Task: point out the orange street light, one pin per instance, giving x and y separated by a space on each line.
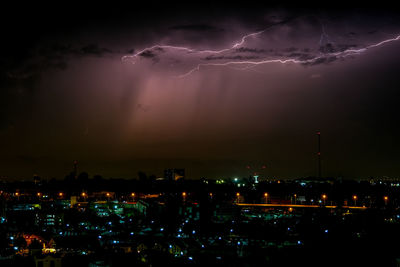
324 198
238 194
184 194
266 197
386 198
355 200
17 194
39 194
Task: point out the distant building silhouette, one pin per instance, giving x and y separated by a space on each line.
174 174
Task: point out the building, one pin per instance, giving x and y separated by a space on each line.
174 174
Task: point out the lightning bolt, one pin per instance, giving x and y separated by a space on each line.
190 50
247 64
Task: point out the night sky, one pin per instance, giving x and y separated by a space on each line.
207 87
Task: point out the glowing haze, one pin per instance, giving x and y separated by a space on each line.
209 94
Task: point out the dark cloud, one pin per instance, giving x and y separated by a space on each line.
238 57
94 49
196 28
250 50
320 60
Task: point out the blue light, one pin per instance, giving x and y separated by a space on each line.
99 237
190 258
238 243
219 238
231 230
115 241
15 248
178 235
132 233
326 231
288 228
193 232
170 246
60 233
161 229
202 246
299 242
11 237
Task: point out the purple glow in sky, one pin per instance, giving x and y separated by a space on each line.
124 92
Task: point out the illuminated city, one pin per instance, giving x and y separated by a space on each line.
201 134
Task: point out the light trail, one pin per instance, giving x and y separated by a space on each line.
297 206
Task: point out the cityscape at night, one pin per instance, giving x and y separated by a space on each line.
200 134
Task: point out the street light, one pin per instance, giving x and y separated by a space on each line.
61 194
386 198
295 198
355 200
266 197
324 198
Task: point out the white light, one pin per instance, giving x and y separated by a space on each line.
326 231
190 258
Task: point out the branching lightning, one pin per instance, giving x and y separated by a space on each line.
247 64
